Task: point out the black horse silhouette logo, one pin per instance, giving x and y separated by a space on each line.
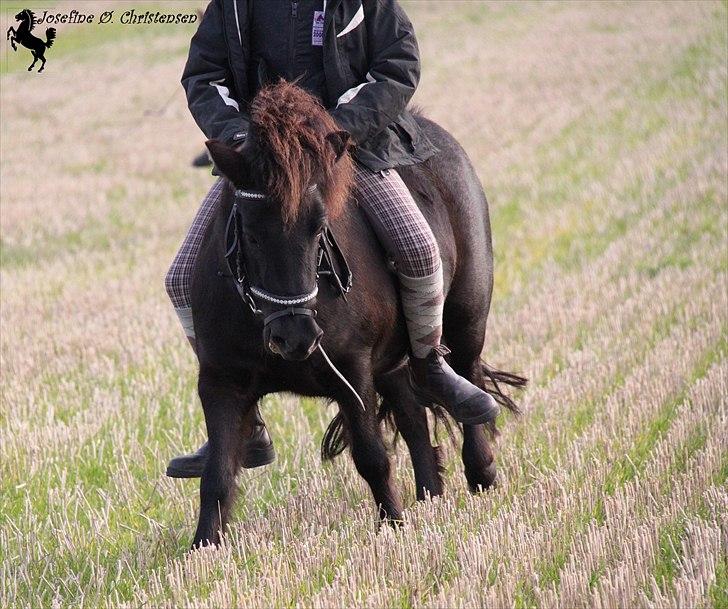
23 36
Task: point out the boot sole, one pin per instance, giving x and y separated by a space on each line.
186 471
259 457
253 458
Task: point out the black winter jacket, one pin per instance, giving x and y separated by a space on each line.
371 64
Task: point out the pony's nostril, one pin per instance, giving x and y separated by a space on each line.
277 344
315 344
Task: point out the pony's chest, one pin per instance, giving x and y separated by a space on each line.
301 378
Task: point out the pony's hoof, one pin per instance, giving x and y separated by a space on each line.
482 480
205 545
394 522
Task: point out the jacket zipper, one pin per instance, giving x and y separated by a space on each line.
292 40
237 21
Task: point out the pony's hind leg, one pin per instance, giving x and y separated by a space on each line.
464 334
228 413
478 456
42 65
478 451
35 59
411 420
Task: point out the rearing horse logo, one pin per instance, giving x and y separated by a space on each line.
23 36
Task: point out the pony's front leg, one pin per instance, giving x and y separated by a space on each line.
11 37
228 415
368 449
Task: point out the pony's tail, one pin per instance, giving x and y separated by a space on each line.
335 439
493 379
50 37
439 415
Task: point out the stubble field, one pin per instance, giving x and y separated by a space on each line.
599 132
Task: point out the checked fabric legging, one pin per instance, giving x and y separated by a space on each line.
395 217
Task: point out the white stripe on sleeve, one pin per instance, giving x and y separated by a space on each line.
347 96
225 93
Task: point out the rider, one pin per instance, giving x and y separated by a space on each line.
360 59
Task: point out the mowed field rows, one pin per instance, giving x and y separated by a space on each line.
599 132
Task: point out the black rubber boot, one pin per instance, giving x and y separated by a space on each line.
258 451
435 381
202 160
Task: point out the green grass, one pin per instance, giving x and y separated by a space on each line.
563 166
632 463
669 554
718 593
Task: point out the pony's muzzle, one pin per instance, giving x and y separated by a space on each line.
294 337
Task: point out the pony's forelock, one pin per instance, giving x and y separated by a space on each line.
290 127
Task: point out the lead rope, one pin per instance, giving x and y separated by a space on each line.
342 377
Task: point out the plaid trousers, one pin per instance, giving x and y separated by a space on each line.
384 197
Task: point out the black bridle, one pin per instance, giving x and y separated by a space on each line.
330 263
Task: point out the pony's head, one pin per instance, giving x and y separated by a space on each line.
297 158
26 15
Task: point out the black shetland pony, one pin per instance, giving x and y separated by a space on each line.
292 178
23 36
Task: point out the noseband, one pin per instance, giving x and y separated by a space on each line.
330 263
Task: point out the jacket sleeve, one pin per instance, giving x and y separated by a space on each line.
208 81
394 72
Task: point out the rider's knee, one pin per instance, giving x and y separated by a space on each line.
170 280
422 259
176 284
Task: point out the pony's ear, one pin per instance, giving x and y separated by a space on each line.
340 141
228 160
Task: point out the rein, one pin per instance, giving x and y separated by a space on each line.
330 263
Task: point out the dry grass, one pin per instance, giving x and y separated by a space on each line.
600 133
